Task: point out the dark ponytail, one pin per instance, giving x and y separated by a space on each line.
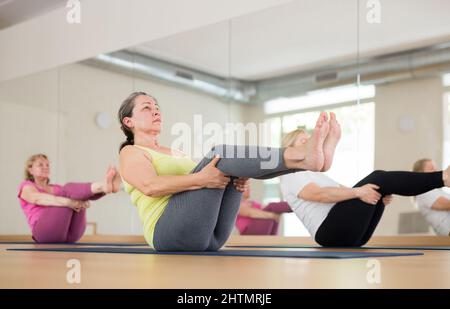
126 110
130 137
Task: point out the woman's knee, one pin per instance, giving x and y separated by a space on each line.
217 150
67 189
377 173
376 177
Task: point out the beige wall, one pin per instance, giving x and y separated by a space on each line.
28 121
32 120
422 101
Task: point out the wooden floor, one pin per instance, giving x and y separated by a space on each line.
99 270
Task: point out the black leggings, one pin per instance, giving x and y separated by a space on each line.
351 223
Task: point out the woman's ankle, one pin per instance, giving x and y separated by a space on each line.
292 156
97 187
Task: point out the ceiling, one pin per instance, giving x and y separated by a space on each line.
302 35
297 36
15 11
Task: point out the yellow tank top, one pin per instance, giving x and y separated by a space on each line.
150 208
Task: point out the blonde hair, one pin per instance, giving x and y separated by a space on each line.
419 165
29 164
289 139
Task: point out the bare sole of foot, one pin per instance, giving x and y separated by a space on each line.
310 156
331 142
108 186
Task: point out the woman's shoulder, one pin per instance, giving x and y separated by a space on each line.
25 183
132 150
130 156
22 185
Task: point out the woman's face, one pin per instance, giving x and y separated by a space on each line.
301 138
40 169
146 116
429 167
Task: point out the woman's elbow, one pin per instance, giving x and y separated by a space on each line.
150 192
33 200
153 191
314 197
324 198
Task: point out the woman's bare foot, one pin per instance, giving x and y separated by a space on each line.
446 176
331 142
116 181
108 185
309 156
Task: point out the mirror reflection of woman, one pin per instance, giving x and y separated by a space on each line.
435 204
254 219
55 213
339 216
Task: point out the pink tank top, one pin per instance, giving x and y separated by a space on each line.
242 222
33 212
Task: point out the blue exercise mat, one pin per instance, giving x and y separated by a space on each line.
349 248
254 253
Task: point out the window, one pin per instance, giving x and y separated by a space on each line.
446 126
318 98
446 121
446 80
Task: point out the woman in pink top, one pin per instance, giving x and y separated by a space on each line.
255 220
57 214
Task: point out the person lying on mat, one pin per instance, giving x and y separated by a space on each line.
435 204
253 219
57 214
338 216
186 206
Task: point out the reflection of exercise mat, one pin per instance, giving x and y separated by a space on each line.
247 253
334 248
106 244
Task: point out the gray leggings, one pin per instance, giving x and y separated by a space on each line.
202 219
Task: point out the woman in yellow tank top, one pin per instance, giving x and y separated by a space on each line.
185 206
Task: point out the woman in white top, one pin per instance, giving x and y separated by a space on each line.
435 204
337 216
